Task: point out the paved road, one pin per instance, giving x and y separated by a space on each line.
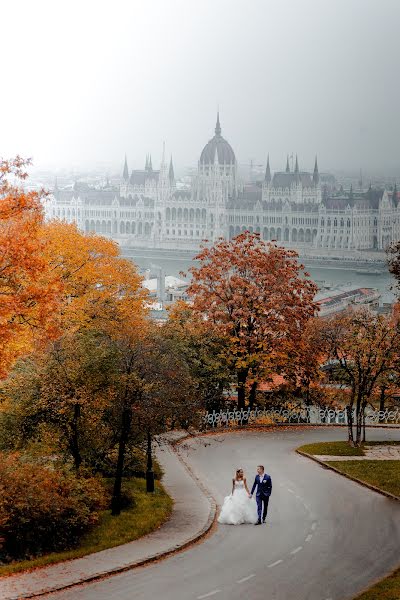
326 539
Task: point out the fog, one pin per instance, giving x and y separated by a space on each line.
84 82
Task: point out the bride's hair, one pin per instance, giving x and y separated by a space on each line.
237 473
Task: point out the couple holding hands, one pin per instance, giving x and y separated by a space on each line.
240 507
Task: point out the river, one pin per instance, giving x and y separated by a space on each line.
334 273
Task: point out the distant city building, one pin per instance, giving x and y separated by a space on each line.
291 206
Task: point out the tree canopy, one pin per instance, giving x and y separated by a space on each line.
29 290
258 296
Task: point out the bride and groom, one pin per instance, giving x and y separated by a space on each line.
240 506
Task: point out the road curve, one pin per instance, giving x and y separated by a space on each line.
327 538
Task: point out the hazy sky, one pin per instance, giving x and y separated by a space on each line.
83 82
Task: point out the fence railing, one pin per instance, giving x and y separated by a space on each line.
311 415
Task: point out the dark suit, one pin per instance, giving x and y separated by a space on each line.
264 490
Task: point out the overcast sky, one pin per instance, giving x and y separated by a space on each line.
83 82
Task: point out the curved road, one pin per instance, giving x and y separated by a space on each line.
326 538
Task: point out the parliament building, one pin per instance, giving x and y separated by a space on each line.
149 211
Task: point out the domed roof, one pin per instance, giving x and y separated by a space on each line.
221 146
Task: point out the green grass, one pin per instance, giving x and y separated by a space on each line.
332 449
150 511
386 443
341 448
384 474
387 589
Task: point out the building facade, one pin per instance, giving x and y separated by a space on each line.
148 210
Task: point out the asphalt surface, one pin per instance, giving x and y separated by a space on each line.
326 538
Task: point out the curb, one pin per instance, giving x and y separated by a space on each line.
272 426
326 465
212 517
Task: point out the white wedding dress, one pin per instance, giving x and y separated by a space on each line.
238 508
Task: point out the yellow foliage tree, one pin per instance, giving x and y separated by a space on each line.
29 289
101 289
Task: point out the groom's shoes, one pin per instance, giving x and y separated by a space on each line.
258 523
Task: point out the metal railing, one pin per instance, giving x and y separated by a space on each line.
310 415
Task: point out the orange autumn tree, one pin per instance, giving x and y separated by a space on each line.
366 348
301 366
101 290
258 295
29 289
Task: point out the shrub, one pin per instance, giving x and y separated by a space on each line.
44 508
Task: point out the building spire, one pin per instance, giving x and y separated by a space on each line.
147 163
287 164
394 195
171 171
268 172
316 173
150 163
296 168
125 174
163 155
218 126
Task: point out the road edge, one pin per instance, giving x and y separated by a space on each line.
326 465
197 538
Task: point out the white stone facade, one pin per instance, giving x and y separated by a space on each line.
149 211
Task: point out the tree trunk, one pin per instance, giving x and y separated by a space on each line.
123 439
241 393
358 419
149 470
382 403
252 395
74 441
349 411
363 421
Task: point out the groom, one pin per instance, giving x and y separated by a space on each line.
263 484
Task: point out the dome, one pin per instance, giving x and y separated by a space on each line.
221 146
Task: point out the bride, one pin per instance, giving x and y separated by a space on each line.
239 507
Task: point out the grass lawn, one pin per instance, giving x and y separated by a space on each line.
332 449
384 474
149 512
387 589
341 448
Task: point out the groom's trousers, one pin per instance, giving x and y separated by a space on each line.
262 507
